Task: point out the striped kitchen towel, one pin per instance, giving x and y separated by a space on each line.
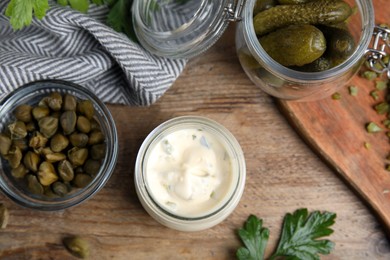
80 48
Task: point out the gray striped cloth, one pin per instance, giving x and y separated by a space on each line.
80 48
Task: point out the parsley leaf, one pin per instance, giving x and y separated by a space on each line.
79 5
299 238
255 238
120 19
21 11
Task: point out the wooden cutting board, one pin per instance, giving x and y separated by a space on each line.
336 130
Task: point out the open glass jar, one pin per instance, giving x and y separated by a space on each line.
185 28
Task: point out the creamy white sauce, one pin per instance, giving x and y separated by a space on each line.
189 172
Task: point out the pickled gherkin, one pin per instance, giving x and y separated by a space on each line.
301 44
316 12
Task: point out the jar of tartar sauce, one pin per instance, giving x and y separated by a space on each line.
190 173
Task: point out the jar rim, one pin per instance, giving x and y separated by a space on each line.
221 210
189 39
367 14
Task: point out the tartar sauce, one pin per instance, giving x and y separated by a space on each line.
189 172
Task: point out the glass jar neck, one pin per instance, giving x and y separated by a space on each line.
179 29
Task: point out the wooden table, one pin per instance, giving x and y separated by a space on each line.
283 174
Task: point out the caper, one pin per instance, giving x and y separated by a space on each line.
92 167
18 130
81 180
14 156
98 151
58 142
95 137
21 143
31 160
23 113
86 108
83 124
33 184
4 216
79 139
65 170
31 127
48 126
77 156
45 151
37 140
60 188
55 101
70 102
78 169
68 121
55 157
5 144
40 112
95 125
77 246
47 174
44 102
19 172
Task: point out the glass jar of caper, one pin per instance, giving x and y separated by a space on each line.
58 145
291 49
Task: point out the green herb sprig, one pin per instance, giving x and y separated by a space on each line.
299 238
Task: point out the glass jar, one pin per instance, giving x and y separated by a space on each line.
190 173
17 188
285 83
185 28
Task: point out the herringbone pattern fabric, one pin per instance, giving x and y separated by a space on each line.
80 48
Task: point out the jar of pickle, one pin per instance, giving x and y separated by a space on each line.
267 33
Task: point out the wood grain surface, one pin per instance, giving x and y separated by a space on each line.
283 174
336 129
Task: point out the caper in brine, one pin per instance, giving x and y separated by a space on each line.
48 126
95 137
77 156
81 180
17 129
33 184
98 151
59 188
37 140
55 157
31 160
40 112
14 156
19 172
21 143
92 167
44 102
77 246
55 101
79 139
95 125
86 108
65 170
23 113
70 102
68 121
31 127
83 124
47 174
58 142
5 144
